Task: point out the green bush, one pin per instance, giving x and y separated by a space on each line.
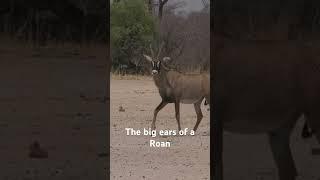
132 30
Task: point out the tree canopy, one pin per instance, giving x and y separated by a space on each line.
132 30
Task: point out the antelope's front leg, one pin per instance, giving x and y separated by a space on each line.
197 107
158 108
177 109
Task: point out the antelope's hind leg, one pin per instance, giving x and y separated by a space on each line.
197 108
177 109
155 113
280 146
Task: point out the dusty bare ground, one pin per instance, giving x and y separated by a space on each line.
132 158
56 99
248 157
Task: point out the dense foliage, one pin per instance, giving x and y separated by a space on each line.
132 30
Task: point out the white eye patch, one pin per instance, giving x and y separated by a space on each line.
155 65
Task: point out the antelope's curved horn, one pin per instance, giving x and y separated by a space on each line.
152 53
160 49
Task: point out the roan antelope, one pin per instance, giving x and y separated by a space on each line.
265 87
176 87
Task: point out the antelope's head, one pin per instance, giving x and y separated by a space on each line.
155 61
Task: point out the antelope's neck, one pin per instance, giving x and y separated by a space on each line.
161 80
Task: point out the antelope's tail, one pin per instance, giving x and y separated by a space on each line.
307 132
206 103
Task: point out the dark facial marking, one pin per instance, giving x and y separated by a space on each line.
156 65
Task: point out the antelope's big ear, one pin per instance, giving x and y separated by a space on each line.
147 57
166 59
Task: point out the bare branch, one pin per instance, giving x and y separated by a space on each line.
161 5
160 49
152 53
173 6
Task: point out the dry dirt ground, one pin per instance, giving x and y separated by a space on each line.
58 100
132 158
246 157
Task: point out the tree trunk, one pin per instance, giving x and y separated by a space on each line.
150 6
161 5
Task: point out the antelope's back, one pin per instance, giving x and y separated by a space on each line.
256 87
190 87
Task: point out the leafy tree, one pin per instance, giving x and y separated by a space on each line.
132 30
